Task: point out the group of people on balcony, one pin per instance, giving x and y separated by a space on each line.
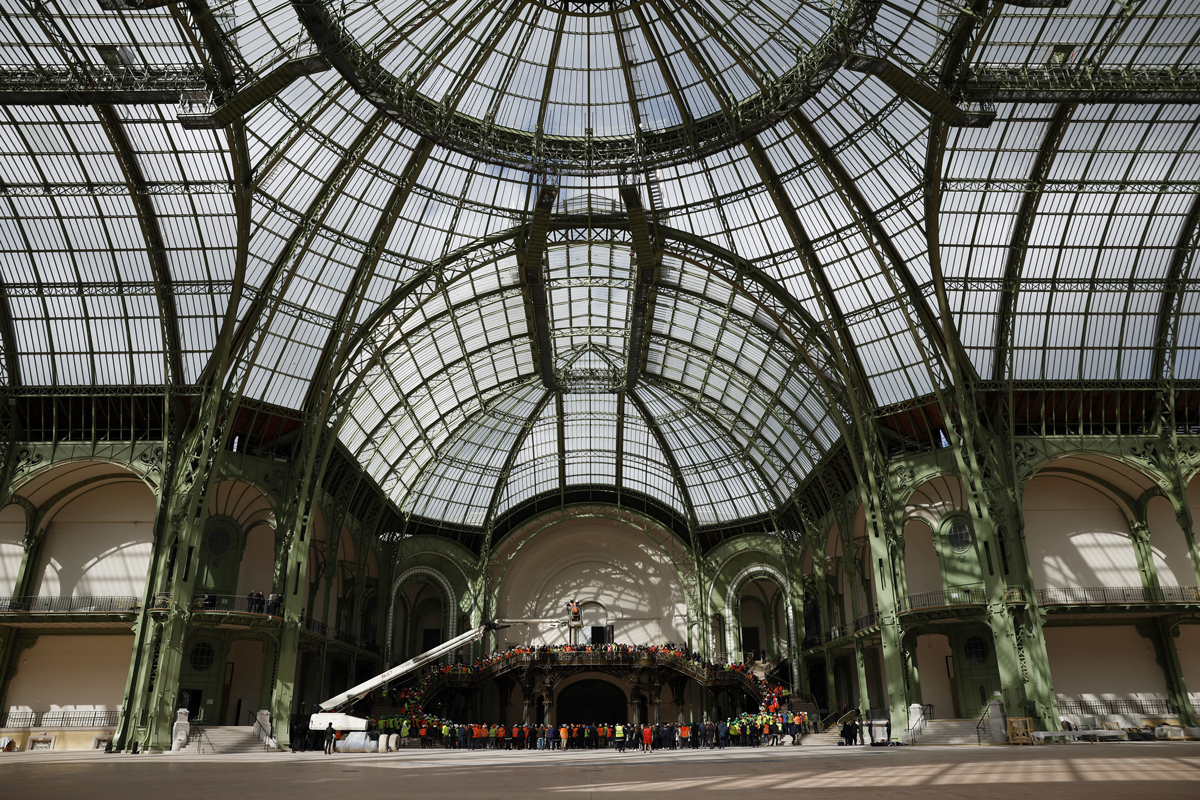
257 604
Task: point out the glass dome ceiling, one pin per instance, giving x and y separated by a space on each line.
779 207
585 84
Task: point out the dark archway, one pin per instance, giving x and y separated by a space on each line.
591 701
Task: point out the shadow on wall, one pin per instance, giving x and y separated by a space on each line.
1077 537
99 544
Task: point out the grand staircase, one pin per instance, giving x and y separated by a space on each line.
829 738
949 731
224 739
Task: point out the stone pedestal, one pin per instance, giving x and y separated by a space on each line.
179 731
997 720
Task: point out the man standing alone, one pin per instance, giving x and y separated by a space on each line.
329 739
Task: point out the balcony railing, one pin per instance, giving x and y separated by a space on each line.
59 719
70 605
1117 595
1152 708
961 596
236 604
314 626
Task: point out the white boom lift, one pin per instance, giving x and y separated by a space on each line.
329 713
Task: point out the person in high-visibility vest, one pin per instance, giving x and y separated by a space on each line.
620 738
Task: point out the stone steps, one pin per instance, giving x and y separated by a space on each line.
948 731
225 739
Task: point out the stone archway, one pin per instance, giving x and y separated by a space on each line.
592 700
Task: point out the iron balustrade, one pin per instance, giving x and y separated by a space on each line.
314 626
71 605
1117 595
867 621
235 604
59 719
701 672
1152 708
961 596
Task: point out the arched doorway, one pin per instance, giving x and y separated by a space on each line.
592 701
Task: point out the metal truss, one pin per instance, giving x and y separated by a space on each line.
642 311
156 250
397 97
929 96
91 84
1174 287
197 113
1070 187
1002 83
532 274
1019 244
113 189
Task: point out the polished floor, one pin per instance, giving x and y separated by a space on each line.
1153 770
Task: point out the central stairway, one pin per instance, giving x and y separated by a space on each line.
829 738
225 739
950 731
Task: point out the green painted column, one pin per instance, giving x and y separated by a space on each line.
1162 634
864 692
144 631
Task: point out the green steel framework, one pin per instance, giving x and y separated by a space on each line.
971 410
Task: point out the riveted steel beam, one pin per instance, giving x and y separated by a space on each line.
834 168
642 311
442 453
156 250
1085 83
802 243
12 363
726 424
533 282
331 354
275 283
676 144
1170 308
114 189
928 96
90 84
510 460
620 448
1019 243
669 455
561 429
256 92
731 267
133 5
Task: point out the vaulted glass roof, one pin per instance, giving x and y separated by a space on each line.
740 225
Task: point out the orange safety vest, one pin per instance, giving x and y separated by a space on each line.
685 732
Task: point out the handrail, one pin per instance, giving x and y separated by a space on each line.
959 596
59 719
1117 595
263 734
917 726
236 604
196 731
107 604
984 717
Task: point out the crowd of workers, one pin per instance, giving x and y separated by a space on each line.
407 701
411 725
746 730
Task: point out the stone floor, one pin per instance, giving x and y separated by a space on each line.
1142 770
